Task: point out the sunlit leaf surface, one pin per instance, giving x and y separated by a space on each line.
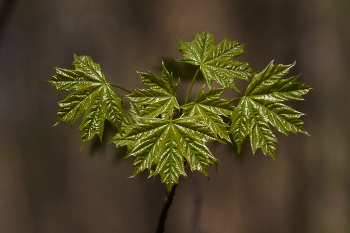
215 61
164 146
160 98
210 107
93 96
261 107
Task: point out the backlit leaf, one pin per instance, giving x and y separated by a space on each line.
261 107
164 146
210 107
160 98
215 61
93 95
129 121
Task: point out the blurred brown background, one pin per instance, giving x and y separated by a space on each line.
48 186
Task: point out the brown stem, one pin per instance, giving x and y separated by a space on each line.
120 87
166 205
235 99
190 88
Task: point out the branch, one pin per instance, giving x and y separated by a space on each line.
190 88
166 206
235 99
120 87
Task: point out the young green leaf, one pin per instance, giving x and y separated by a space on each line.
210 107
215 61
86 74
129 121
261 107
93 95
164 146
160 98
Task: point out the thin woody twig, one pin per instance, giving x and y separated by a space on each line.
166 205
120 87
235 99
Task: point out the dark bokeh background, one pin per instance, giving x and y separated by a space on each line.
48 186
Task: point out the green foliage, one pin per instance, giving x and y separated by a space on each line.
215 61
164 136
210 107
160 98
166 144
261 107
93 95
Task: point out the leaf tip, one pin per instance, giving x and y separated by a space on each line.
273 157
82 145
76 58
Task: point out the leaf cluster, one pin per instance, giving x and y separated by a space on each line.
162 134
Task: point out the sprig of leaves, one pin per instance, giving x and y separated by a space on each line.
164 136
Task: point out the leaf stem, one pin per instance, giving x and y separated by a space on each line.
120 87
166 205
190 88
235 99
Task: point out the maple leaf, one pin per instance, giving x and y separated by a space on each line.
164 146
210 107
261 107
129 121
93 95
160 98
215 61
